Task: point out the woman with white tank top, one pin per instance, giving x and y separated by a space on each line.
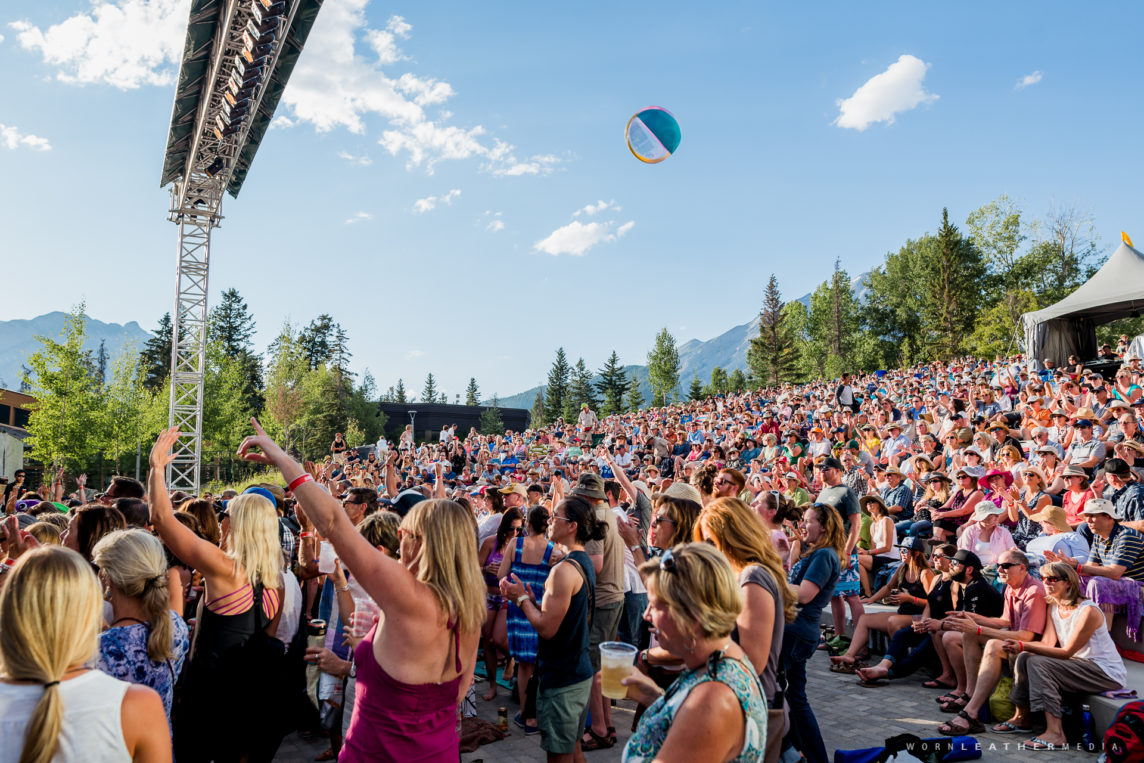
52 708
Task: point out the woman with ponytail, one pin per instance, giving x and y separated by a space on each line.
147 641
52 708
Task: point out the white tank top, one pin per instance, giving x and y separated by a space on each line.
92 729
1100 648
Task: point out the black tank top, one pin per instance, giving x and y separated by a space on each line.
563 659
917 589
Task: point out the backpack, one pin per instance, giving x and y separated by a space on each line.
1124 740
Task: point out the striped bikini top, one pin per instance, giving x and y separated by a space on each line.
242 599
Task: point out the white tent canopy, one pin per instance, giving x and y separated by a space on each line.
1069 326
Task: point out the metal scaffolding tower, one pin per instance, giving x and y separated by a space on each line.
236 61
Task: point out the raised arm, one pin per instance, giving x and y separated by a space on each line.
198 553
386 580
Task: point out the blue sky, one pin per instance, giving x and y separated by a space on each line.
435 182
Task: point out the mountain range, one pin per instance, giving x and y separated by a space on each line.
18 341
727 351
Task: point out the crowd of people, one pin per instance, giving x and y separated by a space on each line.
369 598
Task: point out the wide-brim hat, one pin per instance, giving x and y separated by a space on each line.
1101 506
984 509
1075 471
938 477
976 472
1007 475
681 491
866 500
1055 516
589 485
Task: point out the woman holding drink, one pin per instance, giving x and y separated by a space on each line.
715 710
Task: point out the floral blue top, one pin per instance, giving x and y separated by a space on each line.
123 655
649 736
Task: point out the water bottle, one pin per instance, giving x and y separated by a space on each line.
1088 738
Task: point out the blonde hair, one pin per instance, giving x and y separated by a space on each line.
447 560
1066 572
700 590
46 533
51 612
739 534
134 563
833 531
253 541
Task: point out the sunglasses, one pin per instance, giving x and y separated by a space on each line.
656 521
955 563
935 557
1051 579
667 562
1007 565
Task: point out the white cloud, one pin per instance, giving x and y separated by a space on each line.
599 206
336 86
576 238
281 122
364 161
1029 79
1 38
429 203
359 217
899 88
12 138
123 43
414 354
495 226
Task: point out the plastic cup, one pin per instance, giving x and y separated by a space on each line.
364 616
616 660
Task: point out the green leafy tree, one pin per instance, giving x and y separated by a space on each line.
429 391
663 369
695 391
472 392
772 356
891 310
65 424
737 381
491 421
612 385
718 384
284 395
557 391
125 404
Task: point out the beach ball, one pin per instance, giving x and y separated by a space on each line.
653 135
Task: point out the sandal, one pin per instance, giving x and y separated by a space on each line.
950 730
947 698
595 741
877 683
956 705
936 684
327 755
1005 727
612 734
1038 744
847 668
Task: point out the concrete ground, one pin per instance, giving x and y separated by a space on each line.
849 716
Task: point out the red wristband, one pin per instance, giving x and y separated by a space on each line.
307 534
299 481
978 630
1020 646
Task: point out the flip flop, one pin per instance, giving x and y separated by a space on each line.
935 684
1009 728
846 668
1039 745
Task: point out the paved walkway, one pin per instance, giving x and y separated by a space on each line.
849 716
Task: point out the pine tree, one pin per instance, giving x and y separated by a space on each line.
773 355
580 391
156 355
537 412
101 359
491 421
231 324
718 385
663 369
399 394
952 289
634 400
556 393
472 393
316 340
612 386
695 391
429 392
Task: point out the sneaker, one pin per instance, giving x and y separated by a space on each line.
528 730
